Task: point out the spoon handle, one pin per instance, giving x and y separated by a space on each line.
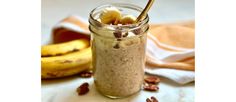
145 10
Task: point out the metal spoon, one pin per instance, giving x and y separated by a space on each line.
145 10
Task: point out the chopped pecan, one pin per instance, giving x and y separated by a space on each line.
117 34
137 31
119 39
126 34
116 46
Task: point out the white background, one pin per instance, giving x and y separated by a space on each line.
162 11
20 23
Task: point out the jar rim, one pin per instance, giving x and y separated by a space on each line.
123 38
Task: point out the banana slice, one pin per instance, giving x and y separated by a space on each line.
110 15
128 19
63 48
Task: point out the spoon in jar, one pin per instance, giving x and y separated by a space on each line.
144 12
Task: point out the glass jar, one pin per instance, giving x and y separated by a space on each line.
118 52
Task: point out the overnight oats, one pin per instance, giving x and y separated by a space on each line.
118 49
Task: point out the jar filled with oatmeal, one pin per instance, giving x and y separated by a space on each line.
118 49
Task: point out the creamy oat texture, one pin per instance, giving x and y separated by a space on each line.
118 65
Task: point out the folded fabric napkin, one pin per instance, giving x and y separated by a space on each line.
170 47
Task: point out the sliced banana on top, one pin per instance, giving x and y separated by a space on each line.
127 19
110 15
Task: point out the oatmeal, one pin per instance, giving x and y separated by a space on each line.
118 50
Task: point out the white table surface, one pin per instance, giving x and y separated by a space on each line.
63 90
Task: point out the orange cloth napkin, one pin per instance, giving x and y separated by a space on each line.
177 38
170 47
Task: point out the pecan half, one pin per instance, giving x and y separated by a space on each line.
148 100
153 99
83 89
150 87
152 80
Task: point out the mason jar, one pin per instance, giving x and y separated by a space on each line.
118 52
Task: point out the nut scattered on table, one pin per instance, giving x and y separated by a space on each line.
83 89
152 80
150 87
148 100
153 99
151 83
86 74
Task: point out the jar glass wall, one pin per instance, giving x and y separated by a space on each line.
118 52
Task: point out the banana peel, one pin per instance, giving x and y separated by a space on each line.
66 65
63 48
58 73
69 63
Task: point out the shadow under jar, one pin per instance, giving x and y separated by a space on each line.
118 52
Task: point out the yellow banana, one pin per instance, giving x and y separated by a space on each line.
65 65
50 74
127 19
63 48
110 15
